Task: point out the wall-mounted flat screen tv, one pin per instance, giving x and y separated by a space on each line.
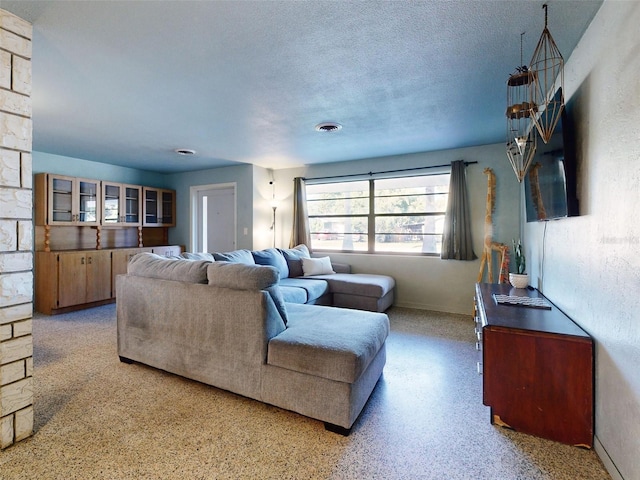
550 184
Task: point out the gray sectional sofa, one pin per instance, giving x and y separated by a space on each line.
333 285
227 324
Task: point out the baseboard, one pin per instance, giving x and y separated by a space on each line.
606 460
436 308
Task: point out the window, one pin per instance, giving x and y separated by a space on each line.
390 215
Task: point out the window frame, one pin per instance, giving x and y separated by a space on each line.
371 217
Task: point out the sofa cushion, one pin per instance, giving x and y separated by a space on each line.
237 256
240 276
198 256
316 266
293 294
150 265
329 342
273 257
367 285
293 257
311 288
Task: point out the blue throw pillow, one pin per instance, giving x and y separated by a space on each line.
273 257
278 300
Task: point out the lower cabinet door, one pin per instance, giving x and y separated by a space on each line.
98 276
83 277
72 279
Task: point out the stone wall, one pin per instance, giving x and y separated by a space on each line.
16 231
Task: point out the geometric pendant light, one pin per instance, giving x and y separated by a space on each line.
547 66
521 132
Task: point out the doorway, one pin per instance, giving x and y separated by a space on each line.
213 210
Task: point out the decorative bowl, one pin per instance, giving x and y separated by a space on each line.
519 280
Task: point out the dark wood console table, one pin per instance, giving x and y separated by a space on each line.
537 367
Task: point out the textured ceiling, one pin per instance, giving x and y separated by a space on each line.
127 82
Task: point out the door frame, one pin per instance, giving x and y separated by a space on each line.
194 190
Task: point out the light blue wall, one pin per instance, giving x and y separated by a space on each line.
76 167
241 175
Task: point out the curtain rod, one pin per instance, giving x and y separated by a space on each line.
386 171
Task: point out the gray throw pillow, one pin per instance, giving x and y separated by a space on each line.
155 266
198 256
293 257
240 276
237 256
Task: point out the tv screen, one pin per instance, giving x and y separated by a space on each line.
550 184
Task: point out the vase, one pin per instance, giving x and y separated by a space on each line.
519 280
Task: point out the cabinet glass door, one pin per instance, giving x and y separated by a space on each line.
132 205
61 200
88 202
167 208
151 206
111 204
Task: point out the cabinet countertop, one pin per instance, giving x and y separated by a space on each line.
524 318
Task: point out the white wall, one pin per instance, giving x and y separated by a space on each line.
425 282
589 265
262 210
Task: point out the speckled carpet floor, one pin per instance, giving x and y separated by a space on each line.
97 418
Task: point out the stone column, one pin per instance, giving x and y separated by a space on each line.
16 231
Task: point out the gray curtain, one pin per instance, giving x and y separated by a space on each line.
300 232
456 238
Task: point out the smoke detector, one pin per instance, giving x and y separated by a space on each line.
328 127
185 151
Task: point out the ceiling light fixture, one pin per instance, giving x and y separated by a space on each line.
328 127
547 66
185 151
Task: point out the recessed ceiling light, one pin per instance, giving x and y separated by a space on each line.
185 151
328 127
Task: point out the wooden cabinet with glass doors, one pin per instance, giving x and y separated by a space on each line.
67 200
121 204
159 207
86 231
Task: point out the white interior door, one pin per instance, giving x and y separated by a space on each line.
216 219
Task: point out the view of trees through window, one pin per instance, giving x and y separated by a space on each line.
393 215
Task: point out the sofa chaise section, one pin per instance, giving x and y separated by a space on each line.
342 350
361 291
